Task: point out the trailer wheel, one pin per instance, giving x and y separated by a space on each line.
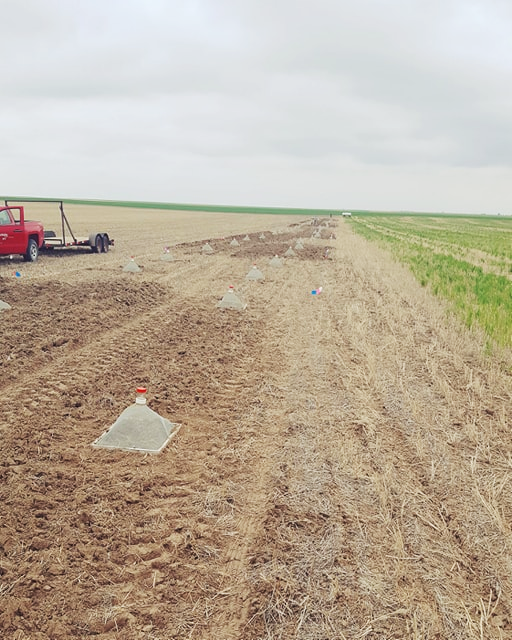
105 244
96 244
32 251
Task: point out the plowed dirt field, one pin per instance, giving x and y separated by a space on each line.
343 468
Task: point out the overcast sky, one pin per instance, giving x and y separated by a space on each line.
363 104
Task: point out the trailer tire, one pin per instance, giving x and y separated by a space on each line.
32 251
96 242
105 243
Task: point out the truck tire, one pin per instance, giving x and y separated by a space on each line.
32 251
105 243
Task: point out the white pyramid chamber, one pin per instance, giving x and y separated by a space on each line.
167 255
138 428
232 300
255 274
276 262
131 266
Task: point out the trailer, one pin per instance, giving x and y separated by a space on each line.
97 241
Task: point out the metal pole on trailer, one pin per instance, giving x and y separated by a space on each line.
62 224
65 220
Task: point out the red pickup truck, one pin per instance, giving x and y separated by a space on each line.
20 236
26 238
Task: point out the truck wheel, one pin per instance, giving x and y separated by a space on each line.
32 251
105 243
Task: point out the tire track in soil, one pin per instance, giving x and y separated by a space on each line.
141 335
303 470
229 622
134 295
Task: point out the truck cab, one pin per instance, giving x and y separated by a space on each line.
19 236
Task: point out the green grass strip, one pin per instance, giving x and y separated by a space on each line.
478 298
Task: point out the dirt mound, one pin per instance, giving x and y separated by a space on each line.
254 242
324 233
256 251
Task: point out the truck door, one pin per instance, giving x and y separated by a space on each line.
12 236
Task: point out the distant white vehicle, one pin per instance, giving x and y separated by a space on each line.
346 214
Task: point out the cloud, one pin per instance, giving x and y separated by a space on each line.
162 96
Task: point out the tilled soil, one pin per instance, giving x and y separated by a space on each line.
342 469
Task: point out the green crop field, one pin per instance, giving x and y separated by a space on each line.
465 260
171 206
